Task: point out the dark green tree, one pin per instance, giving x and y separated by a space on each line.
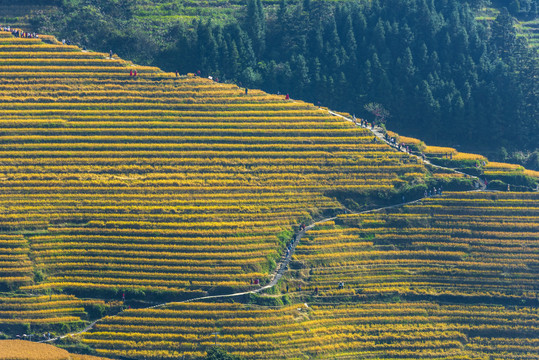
301 74
503 33
514 7
431 63
255 25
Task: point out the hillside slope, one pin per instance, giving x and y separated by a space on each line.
184 184
158 187
433 65
335 330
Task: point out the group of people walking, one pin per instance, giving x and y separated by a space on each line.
19 33
364 123
433 191
392 141
290 244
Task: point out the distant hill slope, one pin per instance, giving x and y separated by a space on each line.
531 32
20 14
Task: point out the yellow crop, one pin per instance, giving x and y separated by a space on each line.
409 140
26 350
501 166
332 329
466 156
531 173
176 186
438 150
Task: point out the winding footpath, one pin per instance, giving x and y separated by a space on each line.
285 260
277 275
377 131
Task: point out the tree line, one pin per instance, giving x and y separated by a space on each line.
444 76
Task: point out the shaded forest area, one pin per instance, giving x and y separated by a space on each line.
444 76
524 9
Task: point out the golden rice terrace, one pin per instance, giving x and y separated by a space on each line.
119 189
153 183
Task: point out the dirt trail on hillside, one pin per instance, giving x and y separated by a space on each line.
277 275
285 260
378 132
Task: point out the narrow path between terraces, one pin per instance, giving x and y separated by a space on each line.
377 131
277 275
283 264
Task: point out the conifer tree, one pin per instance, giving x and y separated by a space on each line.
255 23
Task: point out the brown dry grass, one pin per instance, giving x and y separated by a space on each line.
27 350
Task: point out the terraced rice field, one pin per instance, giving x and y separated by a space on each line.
530 30
23 314
157 184
406 330
449 277
474 246
15 265
495 169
